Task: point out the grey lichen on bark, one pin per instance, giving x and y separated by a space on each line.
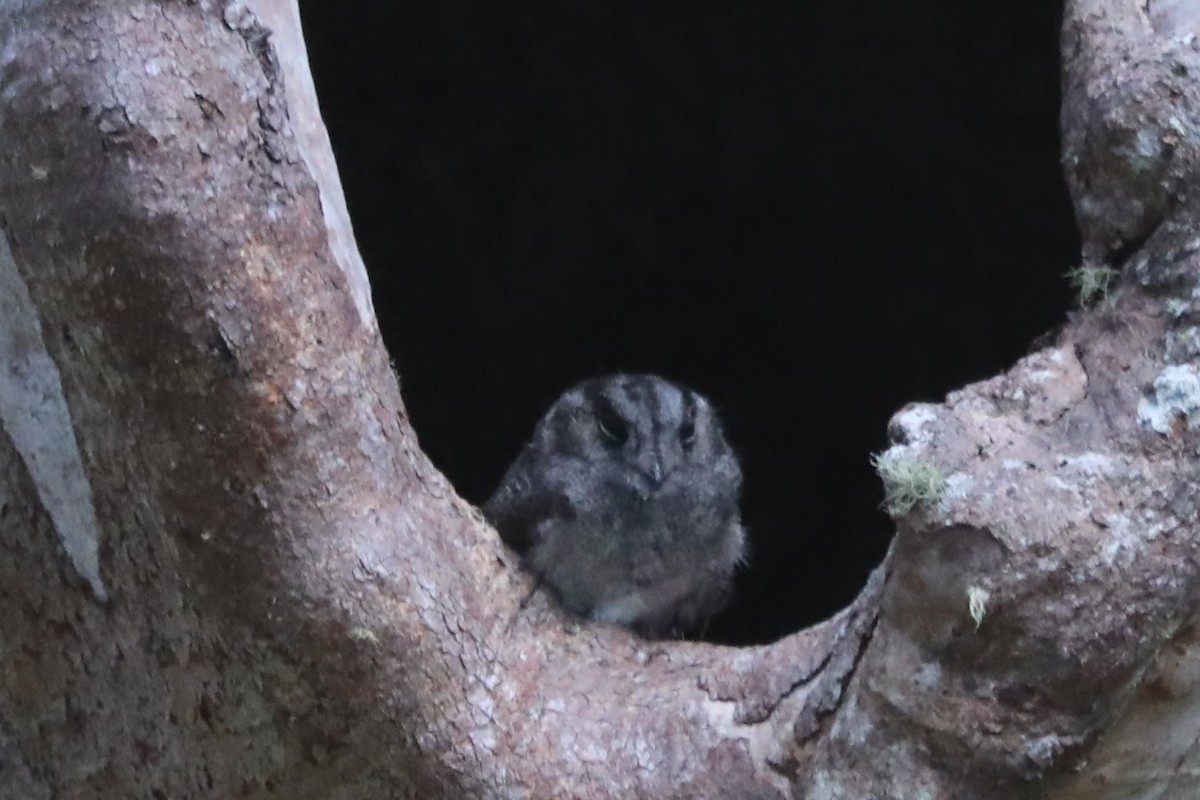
301 606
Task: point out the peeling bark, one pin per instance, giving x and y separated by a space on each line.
299 605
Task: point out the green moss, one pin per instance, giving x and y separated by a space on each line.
1094 282
907 482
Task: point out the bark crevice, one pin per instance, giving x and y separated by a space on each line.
302 606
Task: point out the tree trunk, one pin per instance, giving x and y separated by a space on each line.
230 572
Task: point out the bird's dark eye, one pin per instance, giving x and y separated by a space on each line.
687 434
613 430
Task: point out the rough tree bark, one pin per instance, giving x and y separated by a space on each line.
228 570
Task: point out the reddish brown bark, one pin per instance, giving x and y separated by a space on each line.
290 600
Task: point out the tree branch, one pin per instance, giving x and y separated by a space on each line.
299 604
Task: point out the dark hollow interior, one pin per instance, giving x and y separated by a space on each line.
813 212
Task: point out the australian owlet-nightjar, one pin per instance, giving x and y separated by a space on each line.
626 503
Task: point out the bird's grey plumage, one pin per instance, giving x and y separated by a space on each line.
626 502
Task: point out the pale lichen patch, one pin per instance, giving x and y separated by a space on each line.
958 485
908 424
1175 400
1183 344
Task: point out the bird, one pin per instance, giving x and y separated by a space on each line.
626 503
